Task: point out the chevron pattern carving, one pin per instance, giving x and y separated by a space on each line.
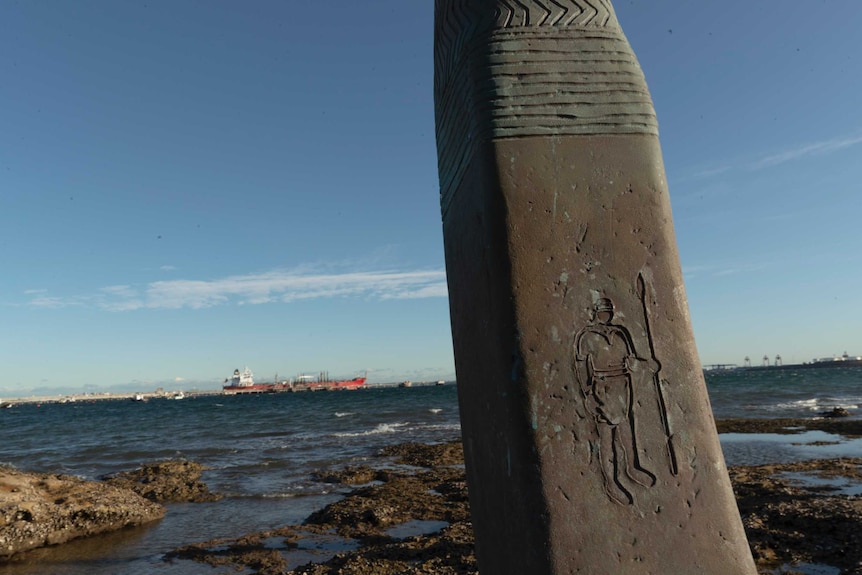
521 68
512 13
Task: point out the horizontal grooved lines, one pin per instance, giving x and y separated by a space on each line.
546 86
508 69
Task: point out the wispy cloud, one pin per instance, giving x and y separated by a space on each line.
709 173
722 270
811 149
53 302
253 289
817 148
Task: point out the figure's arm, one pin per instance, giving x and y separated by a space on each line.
582 367
634 362
630 344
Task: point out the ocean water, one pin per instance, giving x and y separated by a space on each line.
770 393
785 393
262 451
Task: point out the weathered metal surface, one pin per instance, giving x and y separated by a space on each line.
588 434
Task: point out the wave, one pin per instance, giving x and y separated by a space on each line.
344 413
804 404
816 404
440 427
380 428
435 410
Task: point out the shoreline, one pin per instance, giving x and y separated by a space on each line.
160 393
405 510
848 427
797 519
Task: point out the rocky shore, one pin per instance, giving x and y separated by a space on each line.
844 427
39 509
406 511
416 519
166 482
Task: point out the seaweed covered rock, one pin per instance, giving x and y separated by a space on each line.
368 511
794 513
166 482
352 475
417 522
38 509
426 455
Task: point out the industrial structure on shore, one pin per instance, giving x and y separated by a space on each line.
843 360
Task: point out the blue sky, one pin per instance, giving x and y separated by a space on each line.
190 187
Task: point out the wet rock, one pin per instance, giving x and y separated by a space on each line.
423 455
846 427
256 551
39 509
836 412
786 523
166 482
366 512
352 475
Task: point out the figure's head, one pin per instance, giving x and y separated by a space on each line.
604 310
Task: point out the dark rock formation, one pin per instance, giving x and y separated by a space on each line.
787 523
845 427
351 475
166 482
38 509
836 412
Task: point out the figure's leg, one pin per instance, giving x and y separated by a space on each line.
609 458
633 467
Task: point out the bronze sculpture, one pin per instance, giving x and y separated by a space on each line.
588 436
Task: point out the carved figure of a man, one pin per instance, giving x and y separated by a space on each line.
605 362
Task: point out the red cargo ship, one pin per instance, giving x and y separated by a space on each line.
243 382
323 383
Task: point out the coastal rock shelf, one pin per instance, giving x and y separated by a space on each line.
166 482
788 523
41 509
407 512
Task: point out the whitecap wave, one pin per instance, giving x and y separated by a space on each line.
816 404
435 410
344 413
380 428
440 427
803 404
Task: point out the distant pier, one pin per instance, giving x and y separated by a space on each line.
843 360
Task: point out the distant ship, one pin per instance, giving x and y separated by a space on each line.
843 360
243 382
324 383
